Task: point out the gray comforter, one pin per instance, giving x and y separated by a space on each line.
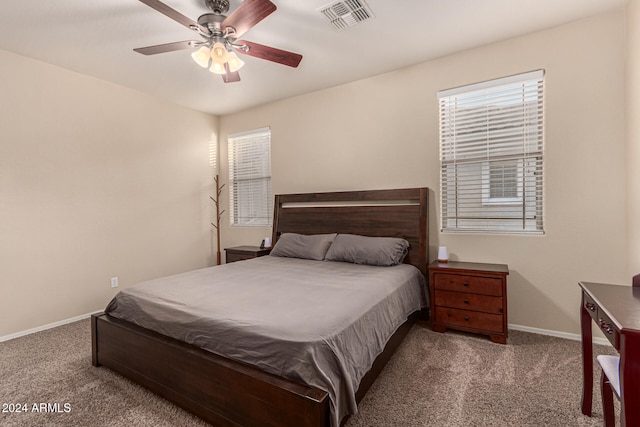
316 322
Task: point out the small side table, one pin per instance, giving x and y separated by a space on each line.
239 253
470 297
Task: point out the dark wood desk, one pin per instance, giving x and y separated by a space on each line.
616 310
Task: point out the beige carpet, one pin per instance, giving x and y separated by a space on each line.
434 379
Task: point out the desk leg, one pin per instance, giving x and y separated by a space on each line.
587 360
629 377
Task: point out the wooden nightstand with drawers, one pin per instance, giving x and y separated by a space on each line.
470 297
240 253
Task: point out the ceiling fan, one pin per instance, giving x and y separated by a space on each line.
220 36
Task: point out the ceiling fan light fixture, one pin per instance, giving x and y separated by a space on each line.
202 56
217 67
219 52
219 56
234 62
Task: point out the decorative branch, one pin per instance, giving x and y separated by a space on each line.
219 213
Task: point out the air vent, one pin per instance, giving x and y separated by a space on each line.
347 13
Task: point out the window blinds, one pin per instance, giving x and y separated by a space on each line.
491 155
250 195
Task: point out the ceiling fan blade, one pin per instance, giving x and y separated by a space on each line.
248 14
271 54
168 47
230 76
174 14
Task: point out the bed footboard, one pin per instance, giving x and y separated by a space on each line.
218 390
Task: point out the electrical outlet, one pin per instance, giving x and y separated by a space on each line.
114 282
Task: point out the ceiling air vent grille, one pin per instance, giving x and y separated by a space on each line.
347 13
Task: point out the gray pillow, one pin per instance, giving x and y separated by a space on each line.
293 245
384 251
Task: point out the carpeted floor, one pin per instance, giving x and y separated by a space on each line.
434 379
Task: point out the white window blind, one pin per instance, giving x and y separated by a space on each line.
250 195
491 155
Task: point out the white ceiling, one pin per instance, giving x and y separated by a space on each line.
97 38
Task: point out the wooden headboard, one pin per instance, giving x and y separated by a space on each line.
378 213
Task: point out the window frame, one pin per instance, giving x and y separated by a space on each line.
249 156
484 125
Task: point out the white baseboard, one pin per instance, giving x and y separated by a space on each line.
45 327
575 337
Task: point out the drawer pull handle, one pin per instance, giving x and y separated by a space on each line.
466 283
466 317
466 301
606 327
591 306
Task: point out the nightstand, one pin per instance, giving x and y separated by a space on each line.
470 297
240 253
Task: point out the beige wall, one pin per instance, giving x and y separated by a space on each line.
95 181
633 134
382 132
98 181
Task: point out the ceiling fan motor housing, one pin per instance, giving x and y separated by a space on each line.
212 21
217 6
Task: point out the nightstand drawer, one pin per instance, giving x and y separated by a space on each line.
469 284
233 257
470 319
240 253
466 301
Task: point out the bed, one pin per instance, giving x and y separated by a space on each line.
235 391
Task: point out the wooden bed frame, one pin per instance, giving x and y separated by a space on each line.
225 392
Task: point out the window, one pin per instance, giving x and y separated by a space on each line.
250 195
491 152
502 182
